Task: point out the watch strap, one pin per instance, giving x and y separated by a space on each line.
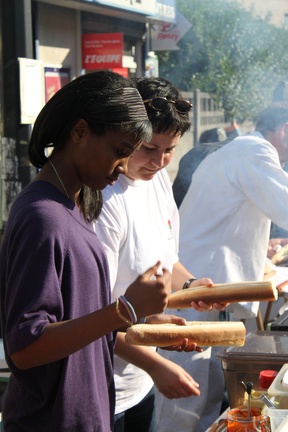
188 283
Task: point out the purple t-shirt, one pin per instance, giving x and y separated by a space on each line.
53 268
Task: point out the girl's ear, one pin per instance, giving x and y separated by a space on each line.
79 130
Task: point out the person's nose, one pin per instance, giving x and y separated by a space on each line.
159 159
122 167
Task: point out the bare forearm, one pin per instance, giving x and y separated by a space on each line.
171 380
61 339
140 356
180 275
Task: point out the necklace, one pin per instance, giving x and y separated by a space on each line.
54 169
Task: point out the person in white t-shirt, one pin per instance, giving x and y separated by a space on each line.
139 223
225 221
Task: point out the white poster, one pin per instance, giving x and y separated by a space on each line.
32 89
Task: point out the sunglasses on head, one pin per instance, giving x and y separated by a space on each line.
161 104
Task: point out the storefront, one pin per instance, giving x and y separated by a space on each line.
61 25
52 32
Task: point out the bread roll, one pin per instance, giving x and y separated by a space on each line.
218 333
224 293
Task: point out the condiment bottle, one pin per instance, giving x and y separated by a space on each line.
266 377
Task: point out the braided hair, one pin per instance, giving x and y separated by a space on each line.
107 101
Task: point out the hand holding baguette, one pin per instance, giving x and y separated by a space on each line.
180 321
202 306
218 333
224 293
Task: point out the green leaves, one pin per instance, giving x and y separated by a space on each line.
230 53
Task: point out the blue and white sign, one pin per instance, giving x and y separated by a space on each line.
146 7
166 11
162 10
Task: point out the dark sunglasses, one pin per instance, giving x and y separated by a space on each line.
161 104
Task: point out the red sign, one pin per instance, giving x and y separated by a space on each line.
55 79
102 50
121 71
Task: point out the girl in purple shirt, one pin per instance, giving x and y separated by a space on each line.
57 320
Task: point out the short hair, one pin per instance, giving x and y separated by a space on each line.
106 100
213 135
169 120
271 117
280 92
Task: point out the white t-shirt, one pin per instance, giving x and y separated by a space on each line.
138 226
226 214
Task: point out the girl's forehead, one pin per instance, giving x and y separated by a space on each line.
164 140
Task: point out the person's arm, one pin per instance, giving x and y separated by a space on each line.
61 339
264 181
58 340
180 275
170 379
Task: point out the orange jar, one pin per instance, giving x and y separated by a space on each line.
238 421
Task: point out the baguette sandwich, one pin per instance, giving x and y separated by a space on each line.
224 293
218 333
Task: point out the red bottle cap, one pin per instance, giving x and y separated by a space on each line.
266 377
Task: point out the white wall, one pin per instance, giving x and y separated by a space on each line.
275 8
59 37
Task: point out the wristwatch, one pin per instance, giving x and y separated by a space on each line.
188 283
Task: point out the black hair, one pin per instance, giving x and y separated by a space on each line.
168 120
271 117
107 101
102 99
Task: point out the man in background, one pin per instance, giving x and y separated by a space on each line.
225 221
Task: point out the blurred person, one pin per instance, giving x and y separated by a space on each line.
188 165
58 324
210 140
280 94
139 222
225 221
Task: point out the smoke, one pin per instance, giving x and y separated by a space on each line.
230 53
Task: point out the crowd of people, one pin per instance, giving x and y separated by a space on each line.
95 243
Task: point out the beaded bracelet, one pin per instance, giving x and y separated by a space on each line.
129 308
130 323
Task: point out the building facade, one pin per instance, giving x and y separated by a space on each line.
276 10
42 47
